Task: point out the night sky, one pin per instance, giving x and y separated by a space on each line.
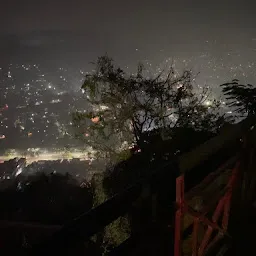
222 32
215 38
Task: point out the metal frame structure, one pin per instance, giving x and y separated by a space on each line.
224 197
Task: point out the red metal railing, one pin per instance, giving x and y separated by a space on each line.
213 223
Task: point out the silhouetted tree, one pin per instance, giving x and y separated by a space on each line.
162 116
126 172
124 107
52 199
55 197
240 97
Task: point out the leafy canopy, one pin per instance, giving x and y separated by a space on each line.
124 107
241 97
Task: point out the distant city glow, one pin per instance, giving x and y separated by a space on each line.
40 109
42 102
38 154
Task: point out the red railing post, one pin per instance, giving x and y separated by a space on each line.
205 241
195 236
209 230
228 196
179 215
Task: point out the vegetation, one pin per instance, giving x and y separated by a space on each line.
125 108
49 199
240 97
136 121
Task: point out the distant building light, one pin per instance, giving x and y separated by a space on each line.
19 171
95 119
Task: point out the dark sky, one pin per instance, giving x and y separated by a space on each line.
208 34
133 20
125 17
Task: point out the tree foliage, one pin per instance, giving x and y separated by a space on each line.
49 199
124 107
240 97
